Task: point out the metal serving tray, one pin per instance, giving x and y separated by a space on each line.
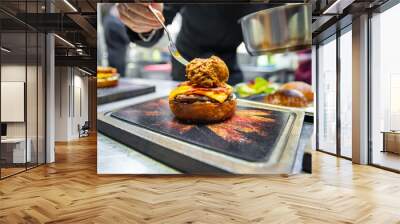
259 139
260 98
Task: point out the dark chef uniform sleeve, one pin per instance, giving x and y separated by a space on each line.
169 12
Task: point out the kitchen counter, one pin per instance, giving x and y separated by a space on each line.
114 157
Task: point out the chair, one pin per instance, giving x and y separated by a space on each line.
84 130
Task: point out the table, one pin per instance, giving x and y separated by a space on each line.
16 153
391 141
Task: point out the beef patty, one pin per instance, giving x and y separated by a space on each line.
192 98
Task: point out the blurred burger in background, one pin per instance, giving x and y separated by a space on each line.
107 77
292 94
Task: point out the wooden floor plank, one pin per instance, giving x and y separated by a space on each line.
70 191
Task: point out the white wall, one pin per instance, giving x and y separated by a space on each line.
61 104
71 93
81 101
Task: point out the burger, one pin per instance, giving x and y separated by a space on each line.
302 87
288 98
205 97
107 77
292 94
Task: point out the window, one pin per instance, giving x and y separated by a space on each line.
327 96
385 89
346 93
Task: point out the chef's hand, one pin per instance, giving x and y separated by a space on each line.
138 17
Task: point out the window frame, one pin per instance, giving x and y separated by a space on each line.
332 37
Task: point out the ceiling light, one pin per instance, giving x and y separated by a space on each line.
65 41
70 5
337 7
5 50
84 71
79 51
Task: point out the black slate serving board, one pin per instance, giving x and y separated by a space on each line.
250 135
125 89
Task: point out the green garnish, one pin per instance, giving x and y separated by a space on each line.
258 86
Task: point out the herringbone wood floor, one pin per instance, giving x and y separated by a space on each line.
70 191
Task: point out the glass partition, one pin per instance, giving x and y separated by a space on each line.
32 98
15 150
32 88
41 88
22 77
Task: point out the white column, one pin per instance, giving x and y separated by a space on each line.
360 90
314 86
50 92
50 99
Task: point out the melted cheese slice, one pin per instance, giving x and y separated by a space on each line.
219 94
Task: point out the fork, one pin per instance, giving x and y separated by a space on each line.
171 46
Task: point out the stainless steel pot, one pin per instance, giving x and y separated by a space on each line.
279 29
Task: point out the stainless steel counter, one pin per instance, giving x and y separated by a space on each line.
116 158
